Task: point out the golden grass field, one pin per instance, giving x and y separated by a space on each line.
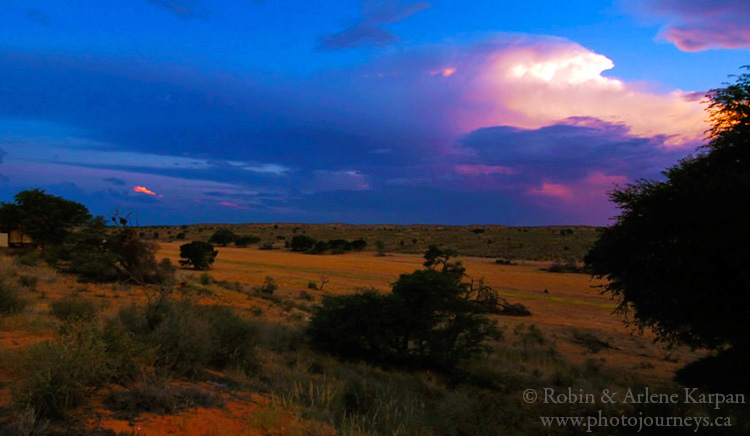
571 306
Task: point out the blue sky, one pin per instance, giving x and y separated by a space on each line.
522 113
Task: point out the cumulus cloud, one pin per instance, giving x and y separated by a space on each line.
369 31
531 82
695 25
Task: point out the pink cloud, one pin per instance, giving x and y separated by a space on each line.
554 190
527 82
534 84
590 191
143 190
695 25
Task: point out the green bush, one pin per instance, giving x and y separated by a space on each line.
10 300
58 373
73 309
186 338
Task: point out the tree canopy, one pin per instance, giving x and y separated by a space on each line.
46 218
677 256
431 318
198 254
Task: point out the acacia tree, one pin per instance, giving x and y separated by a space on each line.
198 254
46 218
677 256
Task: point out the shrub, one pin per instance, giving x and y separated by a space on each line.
198 254
223 237
158 396
266 246
320 247
187 338
358 244
29 258
269 286
74 309
205 279
10 300
312 285
244 241
58 373
99 255
302 243
28 281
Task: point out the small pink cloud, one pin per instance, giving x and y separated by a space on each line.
144 190
228 204
554 190
445 72
590 191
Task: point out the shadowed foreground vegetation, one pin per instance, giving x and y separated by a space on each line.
101 356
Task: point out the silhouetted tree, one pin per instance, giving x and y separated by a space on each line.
678 255
198 254
244 241
302 243
46 218
223 237
431 318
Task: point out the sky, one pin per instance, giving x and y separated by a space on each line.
372 111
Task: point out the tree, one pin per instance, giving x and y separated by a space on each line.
431 318
101 254
677 256
380 246
244 241
46 218
302 243
223 237
199 254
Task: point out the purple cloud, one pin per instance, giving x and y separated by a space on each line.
695 25
368 31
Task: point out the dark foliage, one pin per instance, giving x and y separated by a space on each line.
46 218
244 241
677 256
10 298
429 319
101 254
198 254
223 237
302 243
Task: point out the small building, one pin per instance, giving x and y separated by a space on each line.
13 237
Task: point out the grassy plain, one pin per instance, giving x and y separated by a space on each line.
571 339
